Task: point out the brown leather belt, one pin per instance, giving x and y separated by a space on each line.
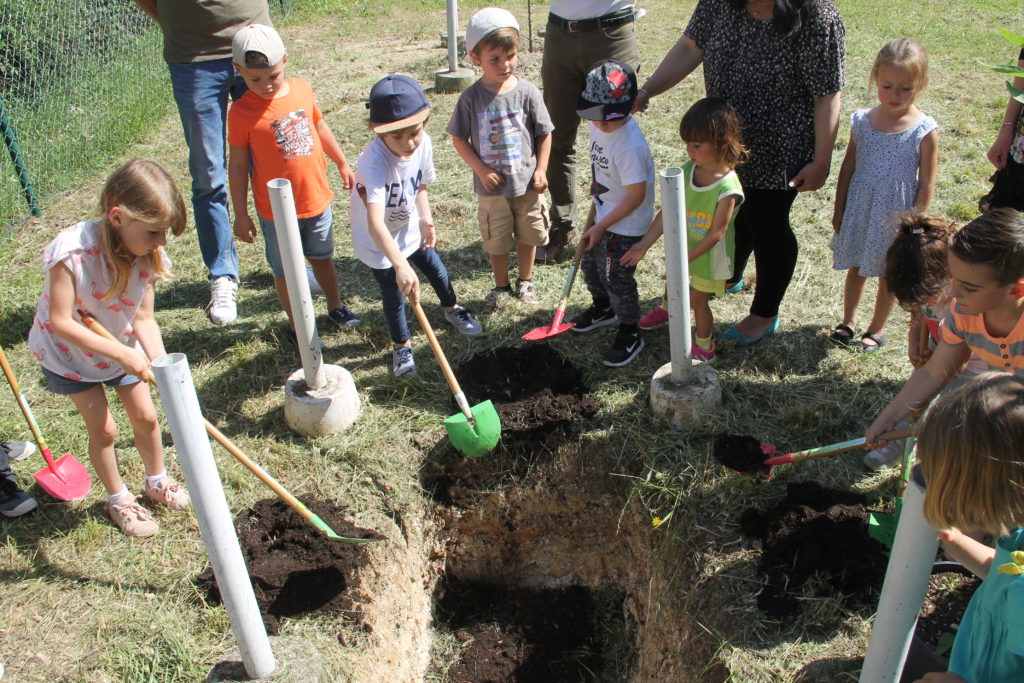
619 18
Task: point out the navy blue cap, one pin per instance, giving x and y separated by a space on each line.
396 101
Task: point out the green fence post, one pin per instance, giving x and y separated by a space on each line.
11 140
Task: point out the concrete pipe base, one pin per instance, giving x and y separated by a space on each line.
448 81
685 405
325 411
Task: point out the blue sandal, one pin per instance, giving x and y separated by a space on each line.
734 335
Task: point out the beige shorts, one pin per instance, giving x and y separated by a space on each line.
506 220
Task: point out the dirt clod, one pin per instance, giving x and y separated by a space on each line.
742 454
294 569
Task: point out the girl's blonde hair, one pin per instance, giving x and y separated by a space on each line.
971 449
144 192
713 120
905 53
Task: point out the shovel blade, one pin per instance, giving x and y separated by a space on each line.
65 478
479 440
547 331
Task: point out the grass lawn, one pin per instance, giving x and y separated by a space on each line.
81 602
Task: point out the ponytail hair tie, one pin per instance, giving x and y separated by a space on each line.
917 231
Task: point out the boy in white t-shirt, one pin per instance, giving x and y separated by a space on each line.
392 228
622 208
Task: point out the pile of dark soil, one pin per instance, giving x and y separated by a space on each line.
539 396
814 530
535 390
944 606
742 454
513 633
293 567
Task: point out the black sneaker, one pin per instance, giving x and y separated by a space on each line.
593 318
342 316
628 344
13 501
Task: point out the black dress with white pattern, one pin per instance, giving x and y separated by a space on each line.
771 81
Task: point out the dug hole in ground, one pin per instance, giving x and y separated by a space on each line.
529 565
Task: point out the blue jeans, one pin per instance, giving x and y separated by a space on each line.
427 262
315 234
201 91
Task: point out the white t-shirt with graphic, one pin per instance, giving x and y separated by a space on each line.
78 248
618 159
387 179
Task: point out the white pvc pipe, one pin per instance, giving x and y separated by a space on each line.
677 271
452 10
282 202
903 591
181 406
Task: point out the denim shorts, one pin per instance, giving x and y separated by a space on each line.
62 385
316 234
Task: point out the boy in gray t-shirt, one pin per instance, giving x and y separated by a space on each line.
501 128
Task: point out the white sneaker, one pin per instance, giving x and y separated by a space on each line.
888 455
222 308
19 450
314 286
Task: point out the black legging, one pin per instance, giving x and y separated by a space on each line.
762 227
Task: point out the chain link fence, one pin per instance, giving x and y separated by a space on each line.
80 81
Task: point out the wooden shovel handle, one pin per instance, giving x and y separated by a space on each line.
432 338
13 381
851 445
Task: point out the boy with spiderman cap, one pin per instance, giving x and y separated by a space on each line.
392 227
622 209
278 125
501 128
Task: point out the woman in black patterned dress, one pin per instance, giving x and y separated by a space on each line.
779 63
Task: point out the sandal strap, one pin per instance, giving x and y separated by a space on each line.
878 339
845 328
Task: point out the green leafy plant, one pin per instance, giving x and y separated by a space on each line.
1010 69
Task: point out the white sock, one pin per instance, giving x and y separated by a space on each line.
152 481
120 496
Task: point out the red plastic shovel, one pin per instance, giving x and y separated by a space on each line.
557 326
65 478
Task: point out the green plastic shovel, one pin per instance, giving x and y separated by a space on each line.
881 525
475 431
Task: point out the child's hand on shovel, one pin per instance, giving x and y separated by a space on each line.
407 282
134 362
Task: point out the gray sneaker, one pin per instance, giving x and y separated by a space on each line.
19 450
402 362
526 292
888 455
463 321
495 299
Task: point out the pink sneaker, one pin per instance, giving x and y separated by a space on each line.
708 356
655 318
170 493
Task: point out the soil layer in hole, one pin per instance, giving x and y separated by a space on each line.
742 454
944 605
513 633
539 397
293 567
814 530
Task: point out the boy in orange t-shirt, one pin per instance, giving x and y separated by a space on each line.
278 125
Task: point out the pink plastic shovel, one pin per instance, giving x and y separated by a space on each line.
557 326
64 479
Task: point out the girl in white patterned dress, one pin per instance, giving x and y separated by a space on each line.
107 268
889 167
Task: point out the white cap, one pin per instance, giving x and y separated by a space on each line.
257 46
487 20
